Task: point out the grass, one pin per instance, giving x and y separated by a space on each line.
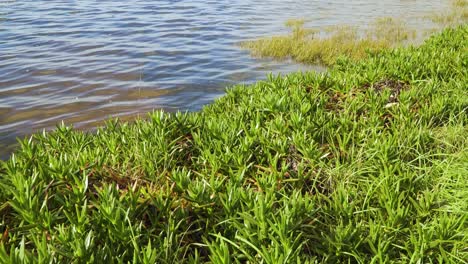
366 163
457 14
316 47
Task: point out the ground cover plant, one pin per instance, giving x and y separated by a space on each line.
366 163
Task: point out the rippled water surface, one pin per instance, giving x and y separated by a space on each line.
83 61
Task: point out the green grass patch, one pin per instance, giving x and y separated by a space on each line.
366 163
325 47
457 14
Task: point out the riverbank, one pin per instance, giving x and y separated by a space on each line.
365 163
84 63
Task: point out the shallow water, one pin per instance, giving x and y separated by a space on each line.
83 61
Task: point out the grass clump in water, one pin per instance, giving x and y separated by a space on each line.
312 46
457 14
366 163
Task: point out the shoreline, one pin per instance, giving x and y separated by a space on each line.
82 94
363 163
324 46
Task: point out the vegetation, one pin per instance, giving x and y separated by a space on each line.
316 47
366 163
313 46
457 14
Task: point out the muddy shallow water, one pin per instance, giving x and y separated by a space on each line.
83 61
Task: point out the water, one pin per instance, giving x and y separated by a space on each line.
83 61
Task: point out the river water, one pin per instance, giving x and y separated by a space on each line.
83 61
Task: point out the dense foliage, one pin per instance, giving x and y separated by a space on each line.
366 163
